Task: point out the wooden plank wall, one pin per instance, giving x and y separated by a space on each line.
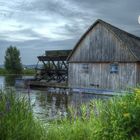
99 73
100 44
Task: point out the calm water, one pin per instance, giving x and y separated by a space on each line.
49 105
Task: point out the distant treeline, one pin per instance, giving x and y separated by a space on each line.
27 71
3 71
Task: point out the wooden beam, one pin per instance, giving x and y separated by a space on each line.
52 58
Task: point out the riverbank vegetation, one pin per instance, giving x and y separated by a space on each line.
16 119
3 71
13 65
27 71
117 118
12 61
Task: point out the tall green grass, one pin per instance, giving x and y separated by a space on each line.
16 119
115 119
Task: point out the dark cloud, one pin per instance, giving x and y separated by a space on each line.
29 33
53 24
33 48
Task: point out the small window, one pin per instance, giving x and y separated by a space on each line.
85 68
114 68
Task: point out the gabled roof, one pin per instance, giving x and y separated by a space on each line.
132 42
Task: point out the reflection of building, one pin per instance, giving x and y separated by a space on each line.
105 57
49 106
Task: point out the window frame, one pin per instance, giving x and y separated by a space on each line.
85 68
114 68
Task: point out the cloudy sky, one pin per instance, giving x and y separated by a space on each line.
38 25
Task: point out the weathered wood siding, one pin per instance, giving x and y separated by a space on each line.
100 44
99 73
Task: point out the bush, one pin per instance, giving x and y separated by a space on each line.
3 71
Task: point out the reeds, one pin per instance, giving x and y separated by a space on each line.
115 119
16 119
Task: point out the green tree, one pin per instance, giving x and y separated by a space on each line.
13 61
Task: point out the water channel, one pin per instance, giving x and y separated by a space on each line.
49 105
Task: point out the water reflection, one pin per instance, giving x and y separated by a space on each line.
1 81
50 105
11 79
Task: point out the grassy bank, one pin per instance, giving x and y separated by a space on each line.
29 71
24 72
16 119
117 118
3 71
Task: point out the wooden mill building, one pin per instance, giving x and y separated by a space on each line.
105 57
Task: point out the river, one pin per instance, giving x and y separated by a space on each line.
49 105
